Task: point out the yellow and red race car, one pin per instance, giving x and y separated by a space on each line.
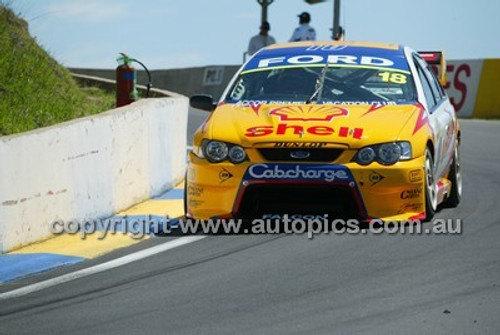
344 129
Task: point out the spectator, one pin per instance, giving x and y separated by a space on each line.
261 40
340 36
304 32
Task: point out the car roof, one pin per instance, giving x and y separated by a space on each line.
337 44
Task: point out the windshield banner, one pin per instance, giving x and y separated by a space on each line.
347 56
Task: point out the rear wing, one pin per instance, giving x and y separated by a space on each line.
436 58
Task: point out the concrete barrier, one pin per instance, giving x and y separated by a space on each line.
109 85
90 167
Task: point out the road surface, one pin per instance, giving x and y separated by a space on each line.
289 284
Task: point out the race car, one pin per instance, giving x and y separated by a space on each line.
344 129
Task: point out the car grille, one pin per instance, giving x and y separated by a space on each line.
258 200
315 155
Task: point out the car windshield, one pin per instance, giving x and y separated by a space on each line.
324 84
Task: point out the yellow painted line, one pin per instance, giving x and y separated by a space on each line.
171 207
487 98
74 245
92 246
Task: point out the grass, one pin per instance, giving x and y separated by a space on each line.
35 91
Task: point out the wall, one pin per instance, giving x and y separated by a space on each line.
89 168
208 79
488 96
463 82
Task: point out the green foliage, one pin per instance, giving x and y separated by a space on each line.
35 91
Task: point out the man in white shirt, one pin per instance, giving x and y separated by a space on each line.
304 32
261 40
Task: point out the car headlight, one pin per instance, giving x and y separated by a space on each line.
217 151
389 153
386 153
237 154
366 156
405 150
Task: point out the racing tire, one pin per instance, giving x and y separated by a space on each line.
430 187
455 176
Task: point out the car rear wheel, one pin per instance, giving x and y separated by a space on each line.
430 187
455 177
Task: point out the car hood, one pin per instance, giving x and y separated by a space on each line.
354 126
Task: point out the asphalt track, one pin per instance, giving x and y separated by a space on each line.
288 284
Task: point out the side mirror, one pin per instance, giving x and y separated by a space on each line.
202 101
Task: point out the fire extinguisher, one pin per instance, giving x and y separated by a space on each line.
126 81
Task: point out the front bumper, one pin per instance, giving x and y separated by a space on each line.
375 191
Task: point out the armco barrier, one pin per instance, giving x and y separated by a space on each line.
89 168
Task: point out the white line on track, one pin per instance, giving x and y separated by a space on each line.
100 267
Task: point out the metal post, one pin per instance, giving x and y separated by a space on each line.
264 4
336 18
264 11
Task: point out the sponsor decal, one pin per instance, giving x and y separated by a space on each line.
322 59
359 103
326 47
411 194
326 173
411 207
256 104
284 129
316 113
335 56
375 178
313 113
300 145
195 203
195 191
415 176
224 175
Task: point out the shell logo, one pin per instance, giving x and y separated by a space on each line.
313 113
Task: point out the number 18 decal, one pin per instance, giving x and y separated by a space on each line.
391 77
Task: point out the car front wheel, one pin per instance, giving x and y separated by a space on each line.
455 177
430 187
